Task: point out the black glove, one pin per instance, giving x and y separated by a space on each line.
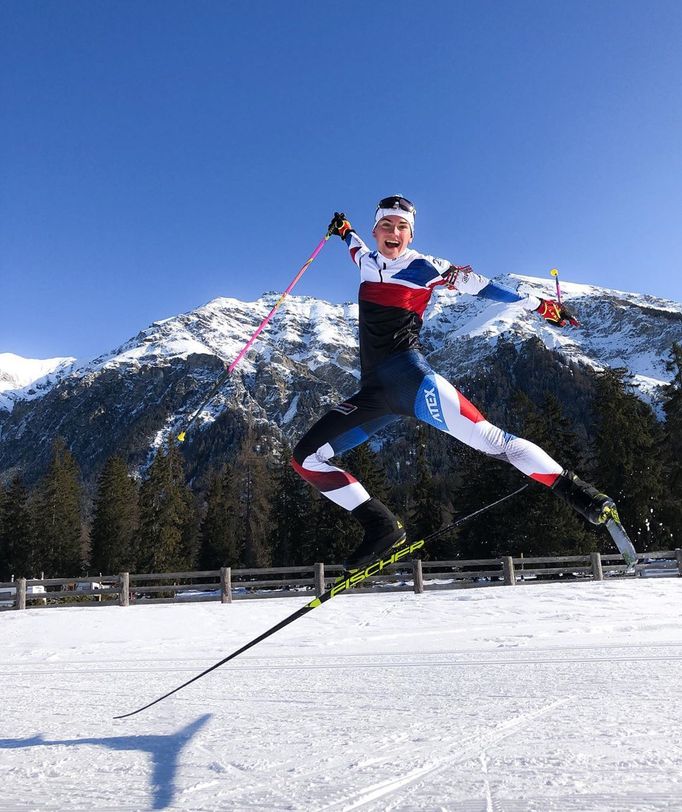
556 313
339 225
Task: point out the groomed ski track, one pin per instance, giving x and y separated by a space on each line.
548 697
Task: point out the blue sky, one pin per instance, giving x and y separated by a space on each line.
155 155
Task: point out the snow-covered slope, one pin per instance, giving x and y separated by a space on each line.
618 329
308 328
27 378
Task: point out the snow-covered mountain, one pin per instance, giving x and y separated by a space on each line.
618 329
26 378
131 399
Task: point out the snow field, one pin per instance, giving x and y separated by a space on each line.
554 698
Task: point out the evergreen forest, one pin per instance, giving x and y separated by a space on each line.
254 511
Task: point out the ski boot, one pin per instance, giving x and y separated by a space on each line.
597 508
383 531
594 506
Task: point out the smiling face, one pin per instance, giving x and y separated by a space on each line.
393 234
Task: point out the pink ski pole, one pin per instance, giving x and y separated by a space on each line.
259 330
261 326
555 273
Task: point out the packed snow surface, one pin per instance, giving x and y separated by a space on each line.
555 698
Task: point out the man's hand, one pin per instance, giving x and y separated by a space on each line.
556 313
450 276
339 225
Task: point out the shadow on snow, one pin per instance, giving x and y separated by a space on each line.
164 751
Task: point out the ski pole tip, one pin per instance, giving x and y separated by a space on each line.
555 272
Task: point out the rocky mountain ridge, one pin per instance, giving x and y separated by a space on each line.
133 398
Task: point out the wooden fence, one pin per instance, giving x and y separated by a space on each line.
228 584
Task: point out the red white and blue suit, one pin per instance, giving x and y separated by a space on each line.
397 380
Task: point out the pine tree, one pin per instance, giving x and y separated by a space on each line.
367 467
400 456
291 533
549 428
336 533
168 517
4 558
547 525
629 466
427 513
485 480
672 446
220 532
16 537
116 520
57 516
254 487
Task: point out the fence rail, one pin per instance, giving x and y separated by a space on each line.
229 584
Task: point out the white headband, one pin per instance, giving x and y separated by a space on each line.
406 215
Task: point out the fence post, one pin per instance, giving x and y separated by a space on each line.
597 571
319 579
508 569
678 556
124 589
418 576
21 593
226 584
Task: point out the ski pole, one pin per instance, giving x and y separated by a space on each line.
466 518
564 311
228 370
343 584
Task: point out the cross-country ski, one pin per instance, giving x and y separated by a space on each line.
349 579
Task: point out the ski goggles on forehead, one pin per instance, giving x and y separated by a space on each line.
396 202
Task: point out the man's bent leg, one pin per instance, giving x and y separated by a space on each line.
347 425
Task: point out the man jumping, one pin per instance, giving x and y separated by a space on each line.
396 285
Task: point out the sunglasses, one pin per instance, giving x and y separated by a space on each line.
396 202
